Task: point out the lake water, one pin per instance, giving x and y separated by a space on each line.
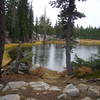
52 56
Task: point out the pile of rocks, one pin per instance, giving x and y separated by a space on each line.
39 85
90 92
70 91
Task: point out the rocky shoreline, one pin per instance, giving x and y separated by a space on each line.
69 92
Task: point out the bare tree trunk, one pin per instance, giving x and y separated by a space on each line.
68 60
68 45
2 32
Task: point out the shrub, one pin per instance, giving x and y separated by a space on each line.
40 71
94 62
83 71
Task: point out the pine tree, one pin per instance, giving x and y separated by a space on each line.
23 19
68 13
31 21
12 19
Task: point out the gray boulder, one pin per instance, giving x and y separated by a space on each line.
83 87
23 68
15 85
94 91
39 85
98 98
71 90
10 97
86 98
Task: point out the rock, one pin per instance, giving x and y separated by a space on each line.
37 93
30 99
62 96
15 85
86 98
94 91
11 67
20 72
10 97
98 98
1 86
39 85
23 68
35 66
83 87
6 88
71 90
54 88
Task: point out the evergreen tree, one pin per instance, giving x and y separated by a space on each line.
23 20
31 21
12 19
19 20
68 13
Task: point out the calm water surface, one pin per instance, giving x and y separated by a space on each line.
52 56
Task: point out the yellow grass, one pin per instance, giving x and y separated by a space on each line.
55 42
89 42
6 58
7 46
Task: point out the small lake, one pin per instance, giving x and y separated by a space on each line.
52 56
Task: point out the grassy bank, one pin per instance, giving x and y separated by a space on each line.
89 42
6 57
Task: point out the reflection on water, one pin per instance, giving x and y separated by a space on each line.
52 56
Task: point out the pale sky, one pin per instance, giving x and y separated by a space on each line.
90 8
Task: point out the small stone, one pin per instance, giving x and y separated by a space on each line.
1 86
86 98
45 93
30 99
54 88
62 96
37 93
10 97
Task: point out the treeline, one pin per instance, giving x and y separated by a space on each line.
22 26
19 20
79 32
88 33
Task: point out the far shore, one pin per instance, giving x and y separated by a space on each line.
80 42
6 58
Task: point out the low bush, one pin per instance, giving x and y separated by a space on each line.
83 71
94 62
